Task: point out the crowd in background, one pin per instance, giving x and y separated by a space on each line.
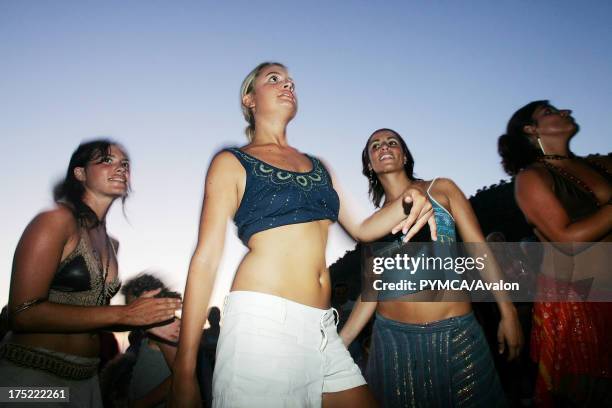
57 326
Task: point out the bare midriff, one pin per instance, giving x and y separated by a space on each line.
574 262
79 344
289 262
422 312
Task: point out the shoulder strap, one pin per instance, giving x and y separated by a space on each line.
431 185
319 167
242 158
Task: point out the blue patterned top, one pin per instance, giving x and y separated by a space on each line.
443 247
444 220
275 197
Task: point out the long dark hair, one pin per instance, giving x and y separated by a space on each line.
375 188
514 147
71 191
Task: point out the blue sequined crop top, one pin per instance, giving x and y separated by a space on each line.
275 197
444 220
447 237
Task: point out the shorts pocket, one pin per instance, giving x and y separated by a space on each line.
265 364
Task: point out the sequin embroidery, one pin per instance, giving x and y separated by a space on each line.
274 197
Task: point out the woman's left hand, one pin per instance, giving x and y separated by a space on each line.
421 212
510 333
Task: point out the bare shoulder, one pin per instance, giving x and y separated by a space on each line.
56 223
224 161
422 185
225 168
443 186
225 180
446 184
531 185
535 173
58 217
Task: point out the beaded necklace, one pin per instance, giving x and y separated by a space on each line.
570 176
557 156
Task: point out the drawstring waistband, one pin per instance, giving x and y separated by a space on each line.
277 309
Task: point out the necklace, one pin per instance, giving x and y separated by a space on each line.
571 177
557 156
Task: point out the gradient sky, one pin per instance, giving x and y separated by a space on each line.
162 77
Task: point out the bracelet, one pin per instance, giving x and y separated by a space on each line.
28 304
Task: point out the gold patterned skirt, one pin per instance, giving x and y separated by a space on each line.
445 363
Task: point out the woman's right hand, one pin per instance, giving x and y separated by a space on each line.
148 310
420 213
185 392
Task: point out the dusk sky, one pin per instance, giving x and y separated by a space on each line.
163 78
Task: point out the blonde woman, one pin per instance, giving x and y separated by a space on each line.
278 344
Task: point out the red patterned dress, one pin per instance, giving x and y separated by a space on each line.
571 341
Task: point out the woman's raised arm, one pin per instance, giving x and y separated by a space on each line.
408 213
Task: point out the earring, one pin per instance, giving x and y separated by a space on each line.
541 146
405 161
371 177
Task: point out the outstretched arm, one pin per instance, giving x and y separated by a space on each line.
408 214
219 205
36 260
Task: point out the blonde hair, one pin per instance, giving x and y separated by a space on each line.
247 87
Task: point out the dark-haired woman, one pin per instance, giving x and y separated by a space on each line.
64 274
278 344
567 199
426 353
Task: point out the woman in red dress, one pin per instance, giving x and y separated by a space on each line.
567 200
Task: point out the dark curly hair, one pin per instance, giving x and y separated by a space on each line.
375 189
138 285
145 282
514 147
